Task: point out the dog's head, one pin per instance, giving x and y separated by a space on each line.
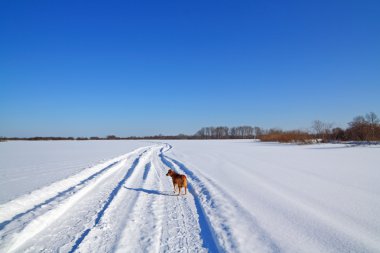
170 172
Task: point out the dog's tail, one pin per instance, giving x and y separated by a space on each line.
184 179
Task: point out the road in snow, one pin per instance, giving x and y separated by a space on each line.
243 196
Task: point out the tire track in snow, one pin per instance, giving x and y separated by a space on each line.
42 222
140 233
146 171
107 203
225 239
208 234
121 214
58 197
141 215
159 221
41 198
133 211
145 218
184 231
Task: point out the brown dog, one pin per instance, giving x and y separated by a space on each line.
179 180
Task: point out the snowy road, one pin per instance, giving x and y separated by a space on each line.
126 205
239 200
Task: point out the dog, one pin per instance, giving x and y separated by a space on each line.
179 180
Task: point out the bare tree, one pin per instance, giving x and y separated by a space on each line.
247 131
338 134
233 132
372 121
221 132
321 129
358 129
201 132
317 126
210 131
358 120
372 118
257 131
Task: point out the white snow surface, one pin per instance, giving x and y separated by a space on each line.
28 165
243 196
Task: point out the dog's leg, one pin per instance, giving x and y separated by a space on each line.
185 190
179 190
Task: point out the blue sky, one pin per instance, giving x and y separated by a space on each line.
84 68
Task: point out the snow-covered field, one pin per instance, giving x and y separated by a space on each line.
28 165
244 196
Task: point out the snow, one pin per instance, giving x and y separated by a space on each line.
50 161
243 196
314 198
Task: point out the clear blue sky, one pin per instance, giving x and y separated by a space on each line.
84 68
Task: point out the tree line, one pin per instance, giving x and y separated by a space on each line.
361 128
223 132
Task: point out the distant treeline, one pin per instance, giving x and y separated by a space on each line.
223 132
109 137
361 128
